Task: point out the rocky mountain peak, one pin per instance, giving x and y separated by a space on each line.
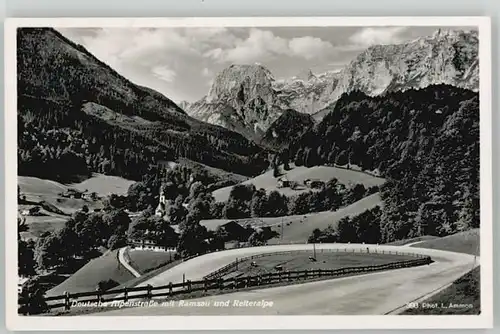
306 75
241 98
238 84
446 57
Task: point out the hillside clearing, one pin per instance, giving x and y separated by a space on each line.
298 228
298 174
38 190
41 224
34 186
215 172
56 208
104 185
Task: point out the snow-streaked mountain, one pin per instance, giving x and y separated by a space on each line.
307 93
248 99
184 105
446 57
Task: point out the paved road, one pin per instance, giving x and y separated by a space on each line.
125 263
370 294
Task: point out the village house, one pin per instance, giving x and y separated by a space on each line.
147 244
314 184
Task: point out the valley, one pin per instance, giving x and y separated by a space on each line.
119 186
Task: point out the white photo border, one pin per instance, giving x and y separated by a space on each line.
484 320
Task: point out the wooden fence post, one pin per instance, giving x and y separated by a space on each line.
319 272
205 285
125 295
99 295
289 276
188 285
221 283
259 280
149 292
234 282
67 304
170 289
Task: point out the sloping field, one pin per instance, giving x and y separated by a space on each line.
103 268
296 229
34 186
104 185
298 174
37 190
46 193
108 267
146 260
464 242
41 224
216 172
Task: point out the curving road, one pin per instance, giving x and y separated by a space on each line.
124 262
369 294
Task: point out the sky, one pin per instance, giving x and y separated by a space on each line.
182 62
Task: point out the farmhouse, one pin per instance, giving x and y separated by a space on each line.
146 244
72 193
33 211
314 184
283 182
236 232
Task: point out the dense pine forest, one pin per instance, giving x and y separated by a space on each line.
290 124
426 142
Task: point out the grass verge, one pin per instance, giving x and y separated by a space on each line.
462 297
463 242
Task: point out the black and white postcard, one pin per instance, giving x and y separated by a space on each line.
187 173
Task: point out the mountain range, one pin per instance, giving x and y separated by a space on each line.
248 99
74 110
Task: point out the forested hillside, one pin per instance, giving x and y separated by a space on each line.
425 142
76 115
289 125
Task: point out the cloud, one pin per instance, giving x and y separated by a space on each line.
262 45
206 72
309 47
164 73
370 36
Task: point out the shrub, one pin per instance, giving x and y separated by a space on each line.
107 284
